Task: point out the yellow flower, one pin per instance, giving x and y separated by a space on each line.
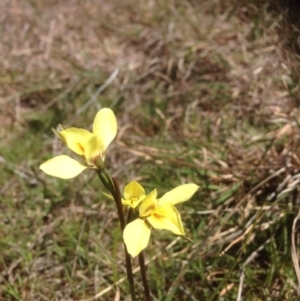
133 193
84 143
159 214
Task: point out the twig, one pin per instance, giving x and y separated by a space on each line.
248 260
99 91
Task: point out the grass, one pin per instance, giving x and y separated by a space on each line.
204 93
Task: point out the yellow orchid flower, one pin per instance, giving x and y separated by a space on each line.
133 193
159 214
84 143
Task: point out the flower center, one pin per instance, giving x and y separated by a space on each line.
149 211
133 199
158 214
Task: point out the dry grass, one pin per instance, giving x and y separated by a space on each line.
203 93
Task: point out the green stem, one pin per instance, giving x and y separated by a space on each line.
118 201
106 181
112 185
144 276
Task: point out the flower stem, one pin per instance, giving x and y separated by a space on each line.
112 185
144 276
118 201
129 216
117 197
142 264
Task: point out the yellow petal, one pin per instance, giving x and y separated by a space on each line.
133 190
136 236
179 194
134 193
62 167
92 148
167 217
105 126
76 139
148 204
